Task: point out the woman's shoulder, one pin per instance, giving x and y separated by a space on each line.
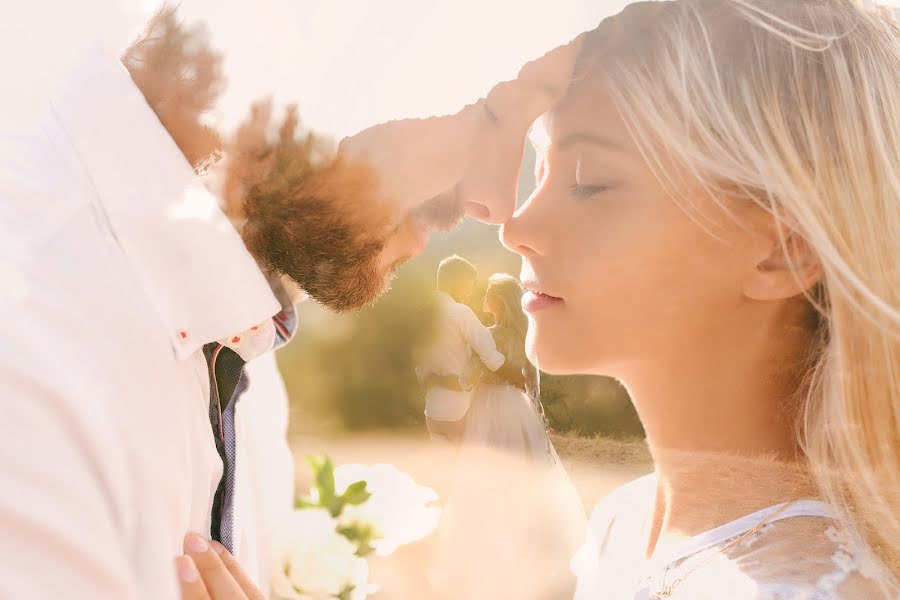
632 500
812 557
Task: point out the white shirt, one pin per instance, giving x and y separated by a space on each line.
117 267
458 333
798 552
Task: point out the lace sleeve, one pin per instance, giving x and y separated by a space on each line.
812 558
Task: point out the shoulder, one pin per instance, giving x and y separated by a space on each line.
809 557
464 313
625 500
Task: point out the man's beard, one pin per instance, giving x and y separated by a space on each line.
328 255
314 219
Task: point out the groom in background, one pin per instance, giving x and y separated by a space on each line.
130 302
458 335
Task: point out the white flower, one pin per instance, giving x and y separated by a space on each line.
398 508
315 561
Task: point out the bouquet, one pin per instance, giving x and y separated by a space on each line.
350 512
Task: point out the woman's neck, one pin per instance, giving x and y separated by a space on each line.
722 430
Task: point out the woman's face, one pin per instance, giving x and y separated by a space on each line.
489 305
622 272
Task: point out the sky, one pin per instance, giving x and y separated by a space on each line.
354 63
349 64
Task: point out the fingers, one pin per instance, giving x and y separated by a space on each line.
220 583
189 581
243 580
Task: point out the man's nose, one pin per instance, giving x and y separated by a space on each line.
489 188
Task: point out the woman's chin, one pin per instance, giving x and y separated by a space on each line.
551 360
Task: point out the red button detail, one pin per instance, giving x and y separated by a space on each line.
183 334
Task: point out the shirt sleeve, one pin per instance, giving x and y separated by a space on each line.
480 339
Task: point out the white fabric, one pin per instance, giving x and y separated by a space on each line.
802 552
268 497
503 417
442 404
458 333
116 263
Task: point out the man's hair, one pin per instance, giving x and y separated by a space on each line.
453 271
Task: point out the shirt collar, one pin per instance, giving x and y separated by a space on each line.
200 277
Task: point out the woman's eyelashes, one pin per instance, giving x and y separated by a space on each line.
586 191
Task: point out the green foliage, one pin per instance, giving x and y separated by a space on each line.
360 534
323 482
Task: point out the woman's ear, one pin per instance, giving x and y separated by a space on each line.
786 267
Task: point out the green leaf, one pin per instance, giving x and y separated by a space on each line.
356 493
323 477
346 592
305 502
361 535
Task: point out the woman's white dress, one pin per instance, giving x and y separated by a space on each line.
505 417
802 553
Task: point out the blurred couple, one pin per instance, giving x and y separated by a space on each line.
480 386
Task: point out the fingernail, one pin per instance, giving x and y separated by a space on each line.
187 571
219 548
196 543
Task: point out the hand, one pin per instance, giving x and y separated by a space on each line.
207 571
476 152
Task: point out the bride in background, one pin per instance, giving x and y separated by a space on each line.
513 519
504 412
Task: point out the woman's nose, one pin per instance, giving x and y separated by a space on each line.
524 232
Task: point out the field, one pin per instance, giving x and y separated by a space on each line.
498 502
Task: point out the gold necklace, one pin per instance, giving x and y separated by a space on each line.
667 591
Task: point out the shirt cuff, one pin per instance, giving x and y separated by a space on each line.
494 361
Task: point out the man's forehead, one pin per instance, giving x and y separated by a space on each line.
586 107
547 127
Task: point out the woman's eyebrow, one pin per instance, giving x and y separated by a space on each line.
594 139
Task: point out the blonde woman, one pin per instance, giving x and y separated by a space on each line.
717 225
503 411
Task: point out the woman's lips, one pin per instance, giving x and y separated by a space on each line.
534 300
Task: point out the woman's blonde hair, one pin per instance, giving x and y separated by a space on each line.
507 290
794 104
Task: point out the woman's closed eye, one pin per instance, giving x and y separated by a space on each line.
587 191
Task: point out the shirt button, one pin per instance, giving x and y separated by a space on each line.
183 334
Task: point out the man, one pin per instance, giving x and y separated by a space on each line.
130 304
458 334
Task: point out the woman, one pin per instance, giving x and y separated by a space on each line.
717 225
504 412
